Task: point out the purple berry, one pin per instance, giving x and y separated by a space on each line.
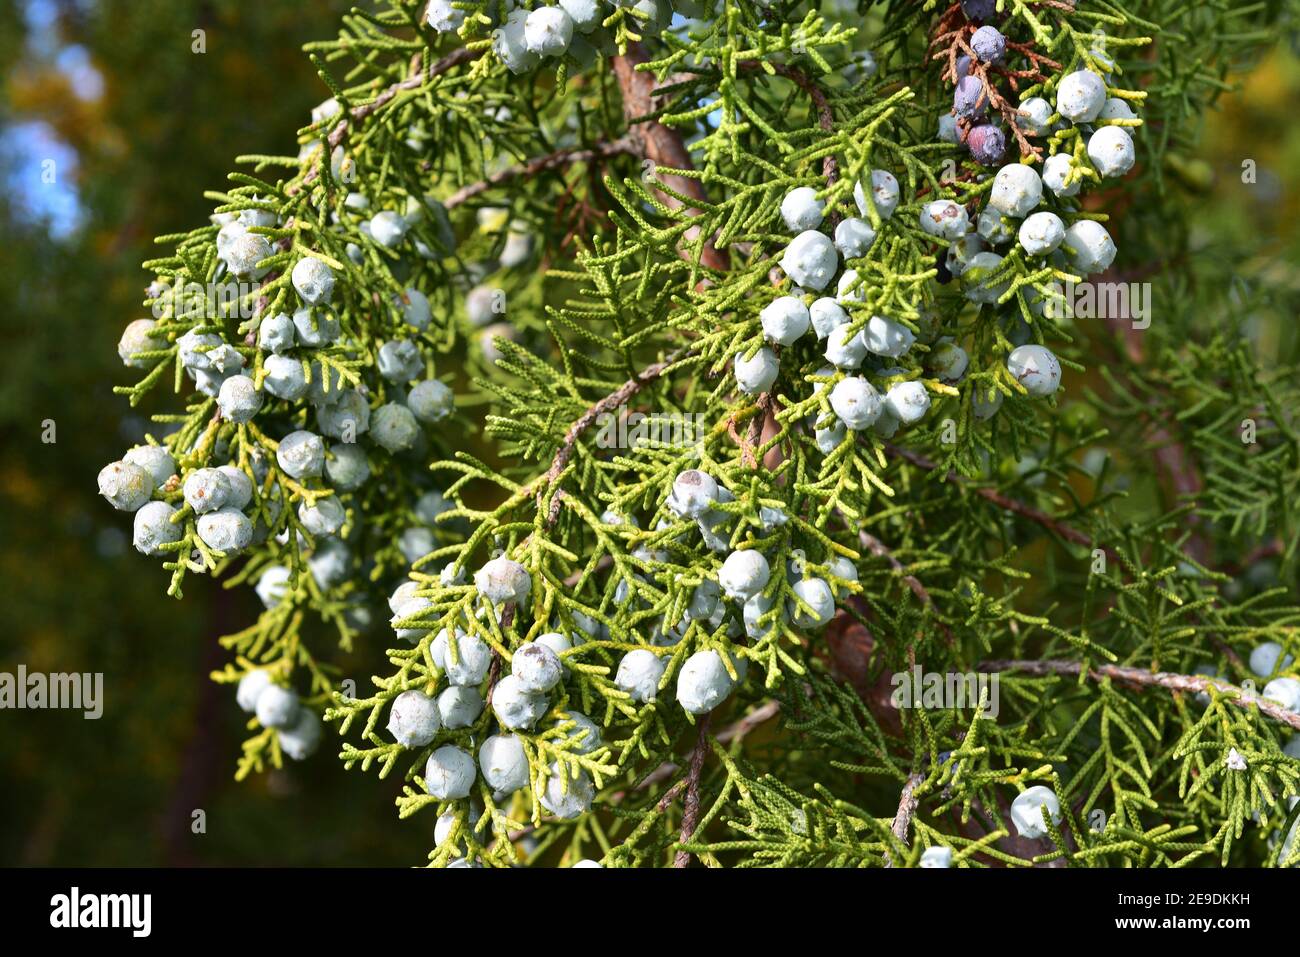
979 9
989 44
963 66
986 144
969 100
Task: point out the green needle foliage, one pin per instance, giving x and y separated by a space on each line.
598 235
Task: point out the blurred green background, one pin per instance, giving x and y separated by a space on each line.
138 126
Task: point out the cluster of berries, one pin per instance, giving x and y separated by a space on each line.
709 676
574 31
1084 120
297 727
471 737
866 389
319 435
454 703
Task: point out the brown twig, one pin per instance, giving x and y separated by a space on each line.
951 36
1068 532
1172 681
732 732
452 60
907 805
612 401
822 106
880 550
494 670
691 806
671 794
760 715
762 427
660 144
357 113
542 164
1065 531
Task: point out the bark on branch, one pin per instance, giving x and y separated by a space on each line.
660 144
691 806
541 164
1170 681
907 804
1065 531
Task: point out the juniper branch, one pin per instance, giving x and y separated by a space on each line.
1059 528
691 803
541 164
907 805
1187 684
658 143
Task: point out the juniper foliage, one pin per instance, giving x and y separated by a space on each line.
597 236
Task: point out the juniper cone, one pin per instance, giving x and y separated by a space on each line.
504 229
